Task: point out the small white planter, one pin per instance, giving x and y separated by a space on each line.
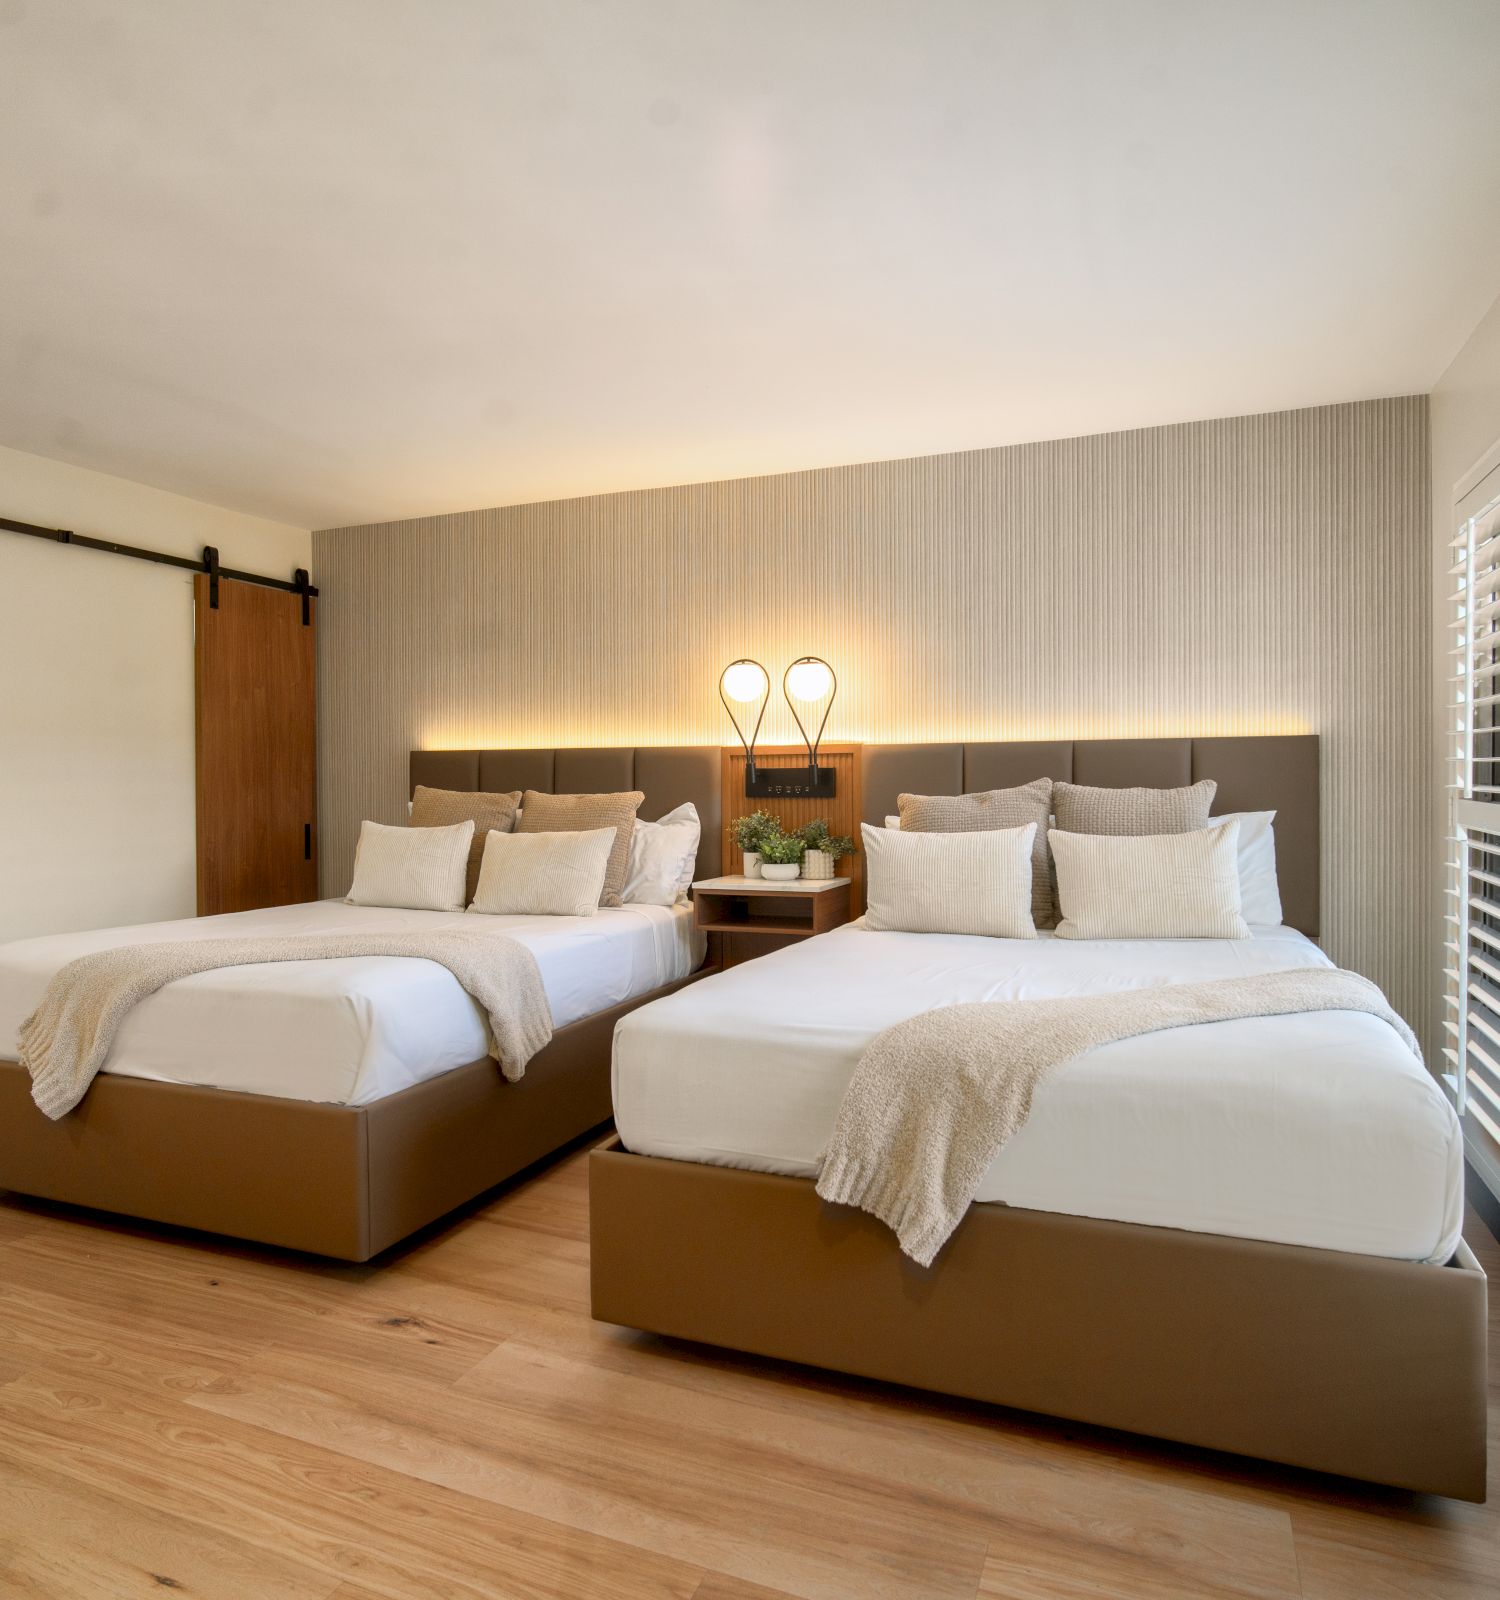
752 863
817 864
780 871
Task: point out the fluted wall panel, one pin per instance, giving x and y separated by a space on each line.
1257 574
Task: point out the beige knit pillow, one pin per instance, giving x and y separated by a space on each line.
980 813
1150 886
490 813
581 813
1079 808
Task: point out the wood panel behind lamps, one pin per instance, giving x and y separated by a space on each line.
843 812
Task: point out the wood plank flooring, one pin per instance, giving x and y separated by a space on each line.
190 1416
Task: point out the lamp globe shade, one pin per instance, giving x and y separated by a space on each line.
809 680
744 682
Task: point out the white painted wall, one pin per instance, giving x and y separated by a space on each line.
96 695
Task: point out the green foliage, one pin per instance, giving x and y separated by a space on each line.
749 831
782 848
815 836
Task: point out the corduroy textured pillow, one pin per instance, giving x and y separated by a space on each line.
1150 886
581 813
543 874
490 813
983 812
416 869
1079 808
973 880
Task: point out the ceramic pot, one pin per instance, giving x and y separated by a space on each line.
817 864
752 863
780 871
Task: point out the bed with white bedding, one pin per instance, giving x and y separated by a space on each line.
1318 1129
1238 1234
335 1105
347 1032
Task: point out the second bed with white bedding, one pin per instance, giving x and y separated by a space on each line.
350 1031
1320 1129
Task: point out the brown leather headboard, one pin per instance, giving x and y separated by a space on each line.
1273 772
668 774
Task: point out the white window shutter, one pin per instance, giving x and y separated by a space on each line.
1471 1020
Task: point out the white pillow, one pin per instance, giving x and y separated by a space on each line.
949 882
662 857
1260 895
1149 886
893 822
417 869
543 874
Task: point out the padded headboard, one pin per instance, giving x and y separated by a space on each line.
668 775
1273 772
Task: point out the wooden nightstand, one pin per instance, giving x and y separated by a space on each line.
753 916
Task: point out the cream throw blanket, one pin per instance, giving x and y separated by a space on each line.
934 1098
64 1042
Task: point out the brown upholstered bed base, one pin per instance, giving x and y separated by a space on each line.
1350 1364
343 1181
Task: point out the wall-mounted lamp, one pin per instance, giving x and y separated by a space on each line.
808 681
742 683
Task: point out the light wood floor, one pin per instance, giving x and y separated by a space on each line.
179 1415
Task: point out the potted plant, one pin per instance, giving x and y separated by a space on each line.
823 849
781 856
748 833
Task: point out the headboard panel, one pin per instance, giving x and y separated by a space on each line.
1277 772
1274 772
501 771
1134 763
668 775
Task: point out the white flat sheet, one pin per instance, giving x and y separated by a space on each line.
350 1031
1320 1129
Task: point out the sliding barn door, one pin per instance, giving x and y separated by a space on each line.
257 747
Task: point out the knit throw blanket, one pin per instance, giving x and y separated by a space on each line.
65 1041
934 1098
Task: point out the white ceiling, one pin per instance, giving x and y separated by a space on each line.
344 260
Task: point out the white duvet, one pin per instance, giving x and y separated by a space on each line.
349 1031
1320 1129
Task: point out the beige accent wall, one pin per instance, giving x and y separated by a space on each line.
97 778
1258 574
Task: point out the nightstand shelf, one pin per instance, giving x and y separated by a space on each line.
757 916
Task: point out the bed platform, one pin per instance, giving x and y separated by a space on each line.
1354 1364
350 1181
344 1181
1350 1364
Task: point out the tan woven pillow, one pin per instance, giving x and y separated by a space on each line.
981 813
1082 809
490 813
581 813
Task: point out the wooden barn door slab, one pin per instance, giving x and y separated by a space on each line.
257 747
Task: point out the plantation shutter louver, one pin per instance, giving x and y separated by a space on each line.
1471 928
